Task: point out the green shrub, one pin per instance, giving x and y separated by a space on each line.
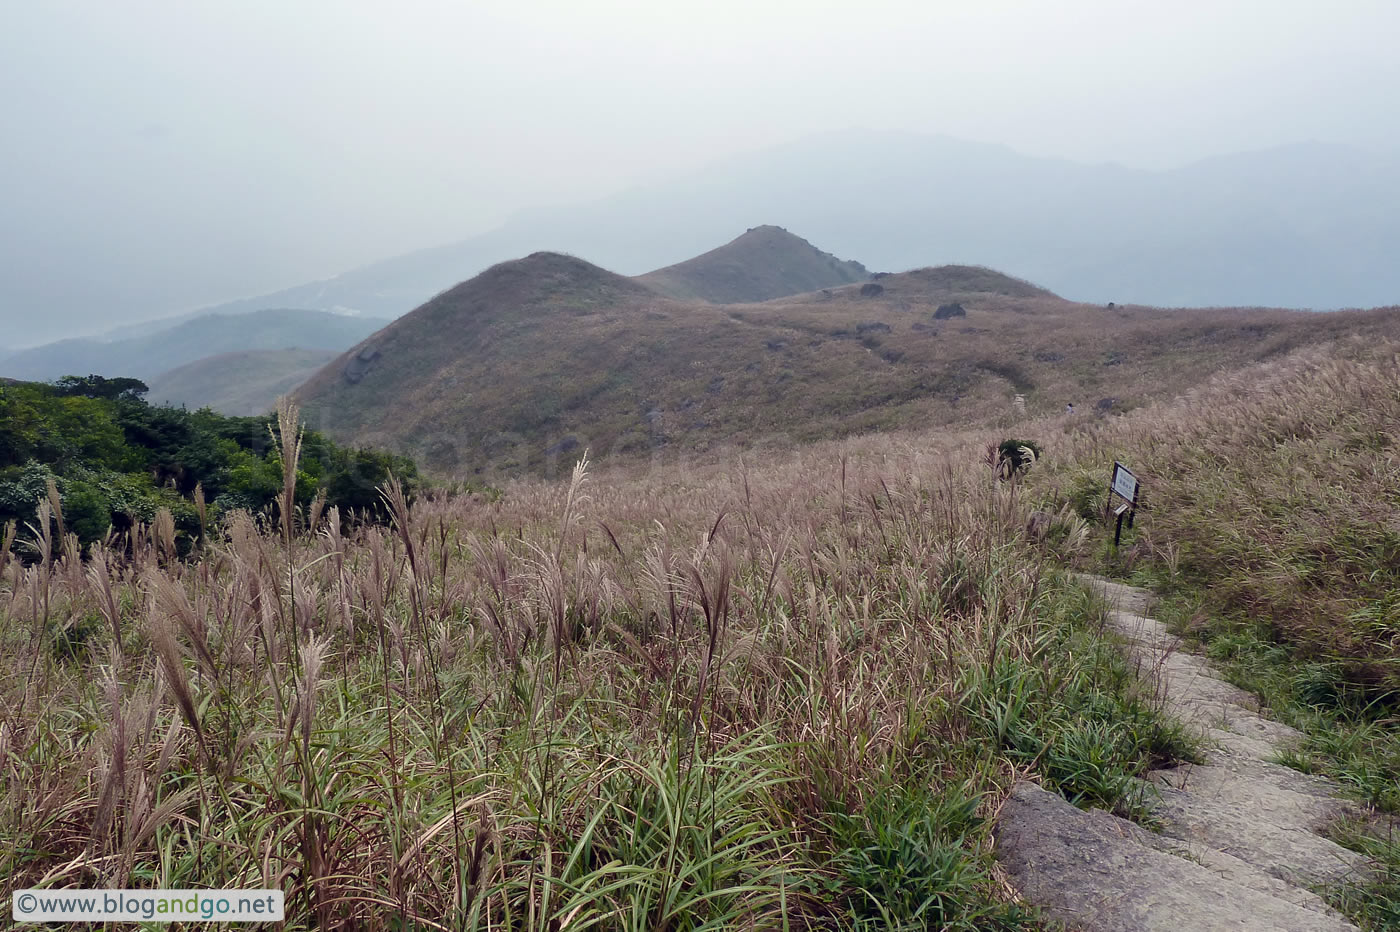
73 638
21 487
906 864
87 510
1086 496
117 460
1015 456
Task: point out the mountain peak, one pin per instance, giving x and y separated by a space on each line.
763 263
768 231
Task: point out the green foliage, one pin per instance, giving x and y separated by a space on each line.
250 481
1374 904
352 478
117 460
905 863
1086 496
73 638
1014 456
21 487
1081 716
95 386
38 423
675 842
87 509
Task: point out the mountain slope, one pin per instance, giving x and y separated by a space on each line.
149 356
525 365
238 383
967 279
766 262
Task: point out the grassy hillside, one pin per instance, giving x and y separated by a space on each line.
1274 495
1272 523
783 697
534 360
1271 527
239 383
766 262
151 355
966 279
783 692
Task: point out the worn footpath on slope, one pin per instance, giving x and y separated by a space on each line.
1242 842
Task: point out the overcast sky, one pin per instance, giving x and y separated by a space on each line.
182 153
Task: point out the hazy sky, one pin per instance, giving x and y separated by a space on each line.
181 153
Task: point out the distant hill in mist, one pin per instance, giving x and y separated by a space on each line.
1311 226
244 360
238 383
159 350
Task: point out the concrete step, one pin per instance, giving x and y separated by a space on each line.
1100 873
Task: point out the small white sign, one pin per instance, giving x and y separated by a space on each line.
1124 482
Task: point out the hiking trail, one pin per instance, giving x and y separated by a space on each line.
1242 843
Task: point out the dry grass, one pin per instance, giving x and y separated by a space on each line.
669 701
755 691
1276 489
1272 526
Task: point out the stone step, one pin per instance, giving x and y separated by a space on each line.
1233 869
1260 833
1242 837
1101 873
1313 800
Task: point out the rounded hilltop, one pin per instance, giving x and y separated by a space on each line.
500 374
765 262
970 279
527 280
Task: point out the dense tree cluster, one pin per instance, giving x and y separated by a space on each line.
117 459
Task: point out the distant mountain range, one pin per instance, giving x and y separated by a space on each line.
244 361
534 360
1307 226
497 326
159 349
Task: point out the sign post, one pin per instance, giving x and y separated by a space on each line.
1125 485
